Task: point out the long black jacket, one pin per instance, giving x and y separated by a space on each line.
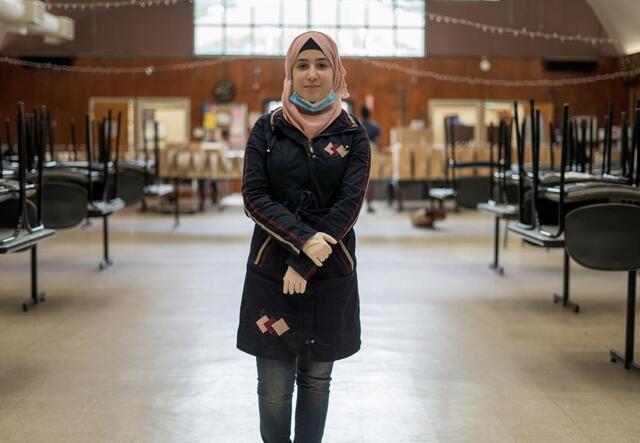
292 188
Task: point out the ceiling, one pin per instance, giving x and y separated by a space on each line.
621 20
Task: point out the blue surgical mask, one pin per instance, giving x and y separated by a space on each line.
313 107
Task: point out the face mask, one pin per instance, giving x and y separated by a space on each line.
313 107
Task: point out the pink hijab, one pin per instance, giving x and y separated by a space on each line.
313 124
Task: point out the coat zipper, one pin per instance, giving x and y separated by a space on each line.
310 157
311 154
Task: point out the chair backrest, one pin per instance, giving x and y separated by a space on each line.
66 204
604 236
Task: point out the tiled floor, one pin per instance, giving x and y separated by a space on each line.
145 351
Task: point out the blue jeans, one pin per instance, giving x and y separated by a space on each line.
275 391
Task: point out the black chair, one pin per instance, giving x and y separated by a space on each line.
531 230
79 190
606 237
578 170
153 186
569 193
498 205
131 178
65 189
466 191
21 225
65 203
109 203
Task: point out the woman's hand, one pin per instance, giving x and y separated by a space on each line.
317 247
293 282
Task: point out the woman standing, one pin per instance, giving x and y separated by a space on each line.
306 171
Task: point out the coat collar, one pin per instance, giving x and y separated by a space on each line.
343 123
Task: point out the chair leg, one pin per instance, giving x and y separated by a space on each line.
627 359
176 214
397 195
496 248
35 296
106 260
631 316
564 298
505 240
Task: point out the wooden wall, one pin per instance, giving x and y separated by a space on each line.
68 94
569 17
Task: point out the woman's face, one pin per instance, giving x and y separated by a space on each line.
312 75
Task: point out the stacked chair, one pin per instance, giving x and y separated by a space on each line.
465 191
107 201
499 204
21 222
153 186
594 218
79 190
569 189
605 235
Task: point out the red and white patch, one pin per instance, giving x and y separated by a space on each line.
280 326
261 323
272 325
336 150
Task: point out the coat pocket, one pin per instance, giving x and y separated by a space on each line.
263 252
347 255
337 306
270 321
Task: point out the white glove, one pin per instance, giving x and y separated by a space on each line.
293 282
317 247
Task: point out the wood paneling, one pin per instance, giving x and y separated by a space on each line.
68 94
569 17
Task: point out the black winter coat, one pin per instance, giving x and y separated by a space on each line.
292 188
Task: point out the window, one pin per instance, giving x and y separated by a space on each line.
375 28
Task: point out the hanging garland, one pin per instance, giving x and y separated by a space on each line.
148 70
517 32
112 4
503 82
198 64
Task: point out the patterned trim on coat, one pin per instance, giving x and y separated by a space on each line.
273 234
346 253
261 250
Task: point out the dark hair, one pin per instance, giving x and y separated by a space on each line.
224 134
310 44
364 112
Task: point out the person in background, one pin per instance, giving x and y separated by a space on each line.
221 145
225 139
373 131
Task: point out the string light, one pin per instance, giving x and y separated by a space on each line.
515 32
502 82
413 72
146 70
113 4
